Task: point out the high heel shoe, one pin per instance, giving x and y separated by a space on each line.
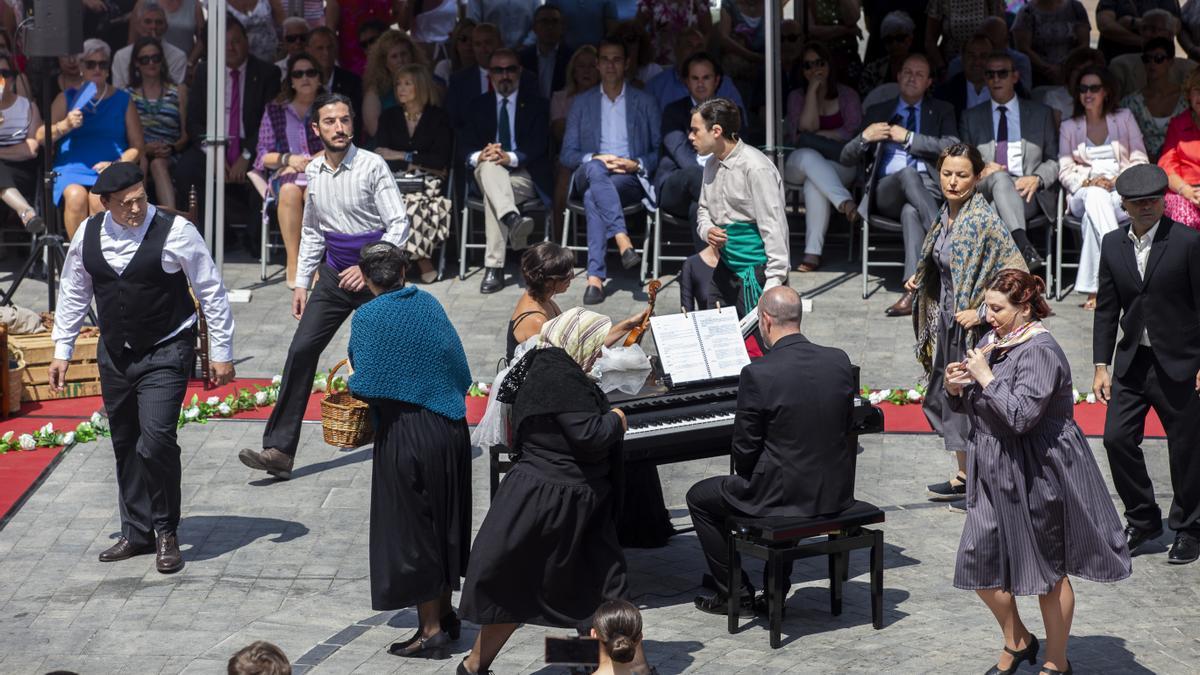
1051 671
1028 654
436 647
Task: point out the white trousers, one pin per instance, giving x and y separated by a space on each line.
825 187
1102 213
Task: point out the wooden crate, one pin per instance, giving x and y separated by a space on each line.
41 392
83 377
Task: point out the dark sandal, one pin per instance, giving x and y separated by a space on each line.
810 263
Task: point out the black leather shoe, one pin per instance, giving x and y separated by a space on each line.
449 623
1033 260
169 560
719 604
436 647
462 670
630 258
123 550
519 229
270 460
1185 549
594 295
493 280
1136 538
1019 656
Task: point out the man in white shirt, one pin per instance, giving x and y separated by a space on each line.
146 317
151 22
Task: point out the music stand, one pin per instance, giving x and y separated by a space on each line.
51 242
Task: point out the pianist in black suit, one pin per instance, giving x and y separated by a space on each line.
789 441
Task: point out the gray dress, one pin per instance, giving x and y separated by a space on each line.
951 425
1037 505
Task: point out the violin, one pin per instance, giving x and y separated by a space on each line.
636 333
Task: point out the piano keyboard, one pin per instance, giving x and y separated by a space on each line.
668 426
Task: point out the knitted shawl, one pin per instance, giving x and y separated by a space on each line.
404 348
980 246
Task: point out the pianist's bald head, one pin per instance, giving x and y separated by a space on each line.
782 304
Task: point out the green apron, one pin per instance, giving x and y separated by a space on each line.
742 254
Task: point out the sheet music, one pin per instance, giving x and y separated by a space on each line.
679 348
721 336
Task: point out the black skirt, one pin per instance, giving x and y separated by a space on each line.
21 175
420 505
547 553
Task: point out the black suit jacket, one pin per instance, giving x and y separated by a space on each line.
532 124
789 437
677 150
262 86
1166 303
529 64
350 85
431 144
466 85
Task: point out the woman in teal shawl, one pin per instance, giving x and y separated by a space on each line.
965 247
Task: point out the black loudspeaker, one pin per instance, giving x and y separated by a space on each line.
57 28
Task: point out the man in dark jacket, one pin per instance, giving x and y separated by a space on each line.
789 441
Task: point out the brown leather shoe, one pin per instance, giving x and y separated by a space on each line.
270 460
169 560
903 306
123 550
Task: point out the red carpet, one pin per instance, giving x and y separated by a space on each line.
908 419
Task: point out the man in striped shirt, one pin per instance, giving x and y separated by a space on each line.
352 200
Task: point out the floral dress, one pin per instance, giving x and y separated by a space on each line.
1154 129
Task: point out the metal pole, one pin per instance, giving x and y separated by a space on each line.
215 129
771 19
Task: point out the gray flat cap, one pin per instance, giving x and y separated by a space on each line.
1142 180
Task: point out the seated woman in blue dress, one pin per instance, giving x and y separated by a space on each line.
104 130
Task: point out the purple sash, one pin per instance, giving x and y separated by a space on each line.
341 250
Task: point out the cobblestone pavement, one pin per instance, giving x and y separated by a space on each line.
287 562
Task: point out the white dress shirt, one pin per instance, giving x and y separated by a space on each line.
183 250
614 130
512 129
360 195
974 97
1141 252
1016 154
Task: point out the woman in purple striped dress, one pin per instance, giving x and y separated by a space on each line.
1038 509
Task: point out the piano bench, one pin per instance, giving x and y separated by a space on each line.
779 540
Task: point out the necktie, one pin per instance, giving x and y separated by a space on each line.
505 129
911 124
1002 138
233 149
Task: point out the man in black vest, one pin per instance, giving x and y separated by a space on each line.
789 441
136 261
1150 287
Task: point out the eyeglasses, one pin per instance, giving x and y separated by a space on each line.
1154 58
150 58
504 70
815 63
95 65
1091 88
310 72
128 204
295 37
997 74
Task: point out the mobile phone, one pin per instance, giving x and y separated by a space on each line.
572 651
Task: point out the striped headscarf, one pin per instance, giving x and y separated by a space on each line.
578 332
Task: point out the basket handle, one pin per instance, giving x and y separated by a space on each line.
336 366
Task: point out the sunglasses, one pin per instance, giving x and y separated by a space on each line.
815 63
149 58
295 37
310 72
95 65
1091 88
504 70
997 74
1154 58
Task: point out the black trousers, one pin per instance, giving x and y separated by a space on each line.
727 287
709 510
680 196
1145 385
328 308
142 394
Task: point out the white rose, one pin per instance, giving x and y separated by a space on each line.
884 393
191 413
224 409
26 441
213 400
7 437
277 379
874 398
320 385
68 438
260 398
1091 398
96 418
914 395
49 428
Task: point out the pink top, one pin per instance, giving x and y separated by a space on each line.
849 114
1124 136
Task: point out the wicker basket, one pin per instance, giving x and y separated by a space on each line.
345 420
16 385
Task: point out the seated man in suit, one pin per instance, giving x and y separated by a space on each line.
322 45
905 136
995 28
611 145
790 452
1019 142
249 85
547 58
680 170
670 85
968 88
506 136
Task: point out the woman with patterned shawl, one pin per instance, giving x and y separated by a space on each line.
966 246
547 551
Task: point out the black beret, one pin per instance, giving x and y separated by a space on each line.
117 177
1142 180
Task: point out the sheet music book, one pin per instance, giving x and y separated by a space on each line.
699 346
